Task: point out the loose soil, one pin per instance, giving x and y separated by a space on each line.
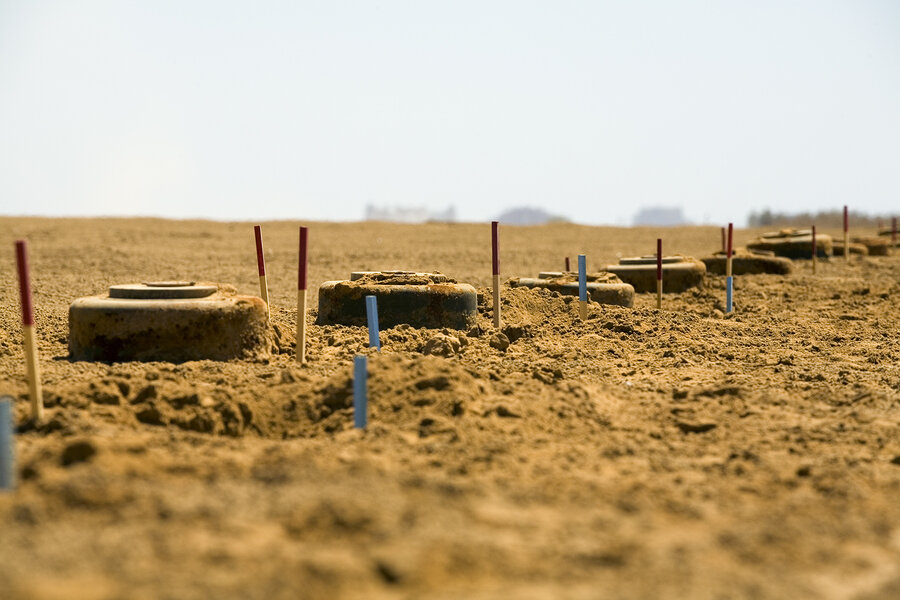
639 454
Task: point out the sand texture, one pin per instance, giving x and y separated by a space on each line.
650 454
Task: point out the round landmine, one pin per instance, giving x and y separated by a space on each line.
889 232
387 277
604 288
855 248
876 246
680 273
748 262
793 243
428 300
172 321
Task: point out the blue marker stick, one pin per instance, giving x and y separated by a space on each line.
7 460
372 314
729 291
360 385
582 285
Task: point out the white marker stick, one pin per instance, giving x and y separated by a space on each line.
261 266
32 367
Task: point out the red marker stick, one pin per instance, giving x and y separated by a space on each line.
24 284
894 230
728 249
495 263
301 270
32 366
301 298
567 265
659 282
261 267
846 235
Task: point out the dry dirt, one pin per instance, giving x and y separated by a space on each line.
640 454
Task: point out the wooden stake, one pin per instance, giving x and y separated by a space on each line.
32 366
301 299
659 282
261 267
846 235
814 250
723 239
495 251
728 250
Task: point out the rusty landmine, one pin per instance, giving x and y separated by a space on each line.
793 243
749 262
167 321
680 273
430 300
604 288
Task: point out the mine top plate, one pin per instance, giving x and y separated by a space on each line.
161 290
786 233
400 277
650 260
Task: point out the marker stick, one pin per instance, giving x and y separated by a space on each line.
32 367
360 385
261 266
846 235
301 299
372 316
723 239
659 273
729 293
7 450
568 269
814 249
894 231
495 250
582 287
728 250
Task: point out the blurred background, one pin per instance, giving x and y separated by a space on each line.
647 112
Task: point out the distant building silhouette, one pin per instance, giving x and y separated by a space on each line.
529 216
659 216
408 214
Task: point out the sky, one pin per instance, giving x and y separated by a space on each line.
312 110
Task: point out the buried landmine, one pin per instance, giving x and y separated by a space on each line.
679 273
793 243
748 262
603 288
167 321
875 246
430 300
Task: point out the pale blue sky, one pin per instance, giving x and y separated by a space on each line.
310 110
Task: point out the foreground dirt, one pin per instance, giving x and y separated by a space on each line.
640 454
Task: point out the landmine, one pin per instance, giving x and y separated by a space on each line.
172 321
604 288
430 300
875 246
748 262
680 273
855 248
793 243
889 232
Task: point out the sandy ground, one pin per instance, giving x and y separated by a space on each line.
640 454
